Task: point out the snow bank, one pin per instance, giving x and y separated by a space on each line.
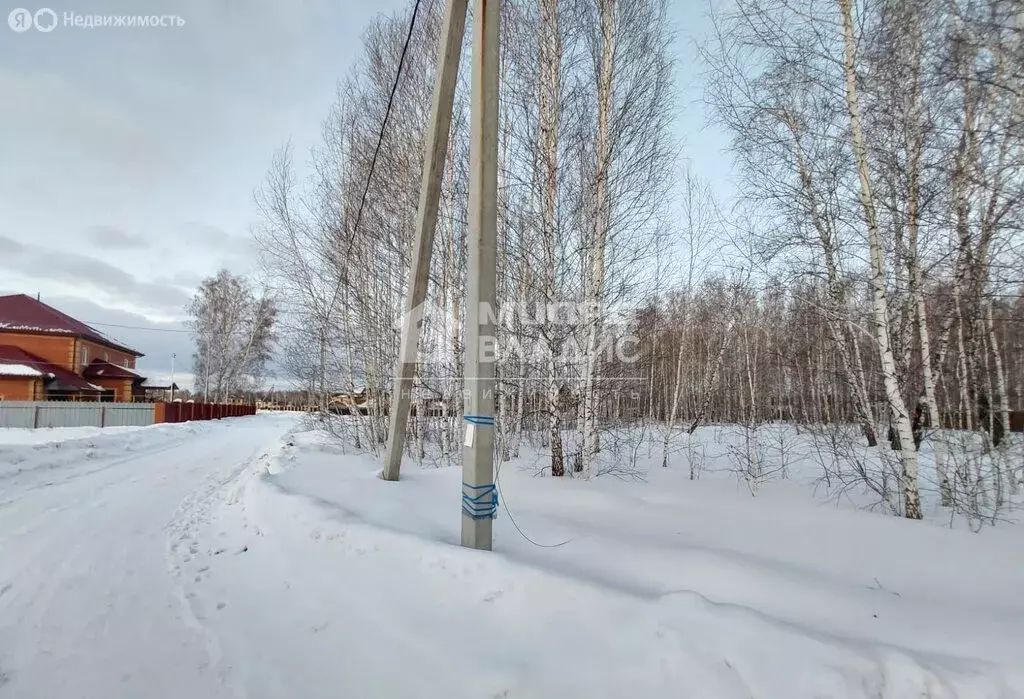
45 449
318 580
46 435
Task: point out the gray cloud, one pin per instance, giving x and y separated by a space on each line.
49 108
9 246
72 268
185 279
221 249
205 234
112 238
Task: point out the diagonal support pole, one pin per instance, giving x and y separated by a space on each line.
449 54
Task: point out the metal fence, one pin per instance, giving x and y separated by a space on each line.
186 412
69 414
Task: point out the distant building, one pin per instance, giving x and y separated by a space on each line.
48 355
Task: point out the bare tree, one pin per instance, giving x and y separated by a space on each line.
233 329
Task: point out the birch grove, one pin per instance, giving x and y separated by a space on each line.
867 273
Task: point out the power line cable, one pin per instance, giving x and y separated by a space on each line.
376 150
139 327
504 502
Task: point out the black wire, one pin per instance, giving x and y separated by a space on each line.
376 150
142 327
508 511
384 124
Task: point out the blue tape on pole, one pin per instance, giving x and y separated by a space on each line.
481 502
479 419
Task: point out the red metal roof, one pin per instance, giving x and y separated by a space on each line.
100 369
17 356
23 314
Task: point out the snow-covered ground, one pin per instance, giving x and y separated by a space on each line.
88 604
251 558
45 435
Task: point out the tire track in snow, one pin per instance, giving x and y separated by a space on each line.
89 607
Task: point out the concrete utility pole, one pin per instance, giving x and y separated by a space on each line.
426 221
479 498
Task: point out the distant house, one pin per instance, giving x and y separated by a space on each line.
48 355
153 391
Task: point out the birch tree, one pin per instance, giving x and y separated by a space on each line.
233 330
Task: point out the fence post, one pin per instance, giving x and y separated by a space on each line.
103 416
35 418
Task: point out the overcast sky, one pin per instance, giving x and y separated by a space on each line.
128 156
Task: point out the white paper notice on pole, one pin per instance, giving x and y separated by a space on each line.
470 434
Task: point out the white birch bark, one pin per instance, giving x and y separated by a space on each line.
596 271
550 97
900 416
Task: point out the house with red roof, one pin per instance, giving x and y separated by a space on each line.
48 355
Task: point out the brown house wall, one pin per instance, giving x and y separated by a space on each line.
56 349
19 388
67 353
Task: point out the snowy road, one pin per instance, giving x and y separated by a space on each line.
256 559
90 602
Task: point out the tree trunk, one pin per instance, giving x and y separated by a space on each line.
596 272
675 400
901 418
1002 414
711 375
550 98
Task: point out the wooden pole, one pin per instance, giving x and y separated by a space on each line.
479 497
426 221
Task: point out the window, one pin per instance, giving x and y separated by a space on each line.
127 364
85 355
106 356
